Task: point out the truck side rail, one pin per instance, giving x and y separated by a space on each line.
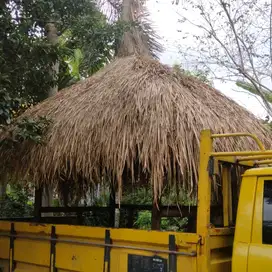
78 248
261 156
231 135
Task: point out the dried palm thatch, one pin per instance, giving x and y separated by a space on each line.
140 39
134 118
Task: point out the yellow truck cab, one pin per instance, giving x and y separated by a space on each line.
252 249
226 238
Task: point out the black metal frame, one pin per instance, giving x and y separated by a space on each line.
107 250
12 237
53 242
172 257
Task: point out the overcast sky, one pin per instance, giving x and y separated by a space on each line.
165 17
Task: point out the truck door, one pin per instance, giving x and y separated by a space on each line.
260 248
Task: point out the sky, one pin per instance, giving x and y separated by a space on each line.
165 16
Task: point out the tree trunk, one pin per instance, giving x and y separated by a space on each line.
3 3
156 214
52 36
38 204
47 198
112 202
156 217
3 187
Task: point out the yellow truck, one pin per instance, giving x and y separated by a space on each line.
243 241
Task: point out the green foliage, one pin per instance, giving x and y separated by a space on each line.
174 223
268 122
25 59
7 105
16 202
202 75
199 74
30 129
144 219
87 42
25 55
102 200
143 196
96 41
267 95
250 88
74 62
96 219
177 196
26 129
140 196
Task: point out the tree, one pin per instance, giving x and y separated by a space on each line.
251 89
46 46
18 202
233 38
197 73
27 55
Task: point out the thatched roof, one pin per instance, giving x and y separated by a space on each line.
135 115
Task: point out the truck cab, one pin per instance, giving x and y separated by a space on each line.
252 248
232 230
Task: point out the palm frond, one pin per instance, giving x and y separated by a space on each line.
141 38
